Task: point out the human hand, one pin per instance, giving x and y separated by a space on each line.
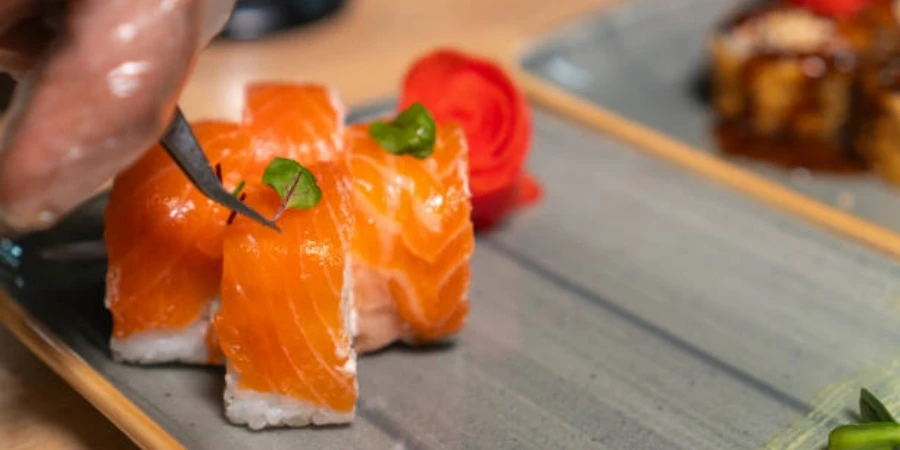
98 83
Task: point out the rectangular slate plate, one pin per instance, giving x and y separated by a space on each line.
646 60
637 307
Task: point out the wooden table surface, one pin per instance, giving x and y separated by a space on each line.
362 52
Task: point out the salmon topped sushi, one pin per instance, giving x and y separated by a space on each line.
413 238
164 246
373 246
285 324
287 320
164 238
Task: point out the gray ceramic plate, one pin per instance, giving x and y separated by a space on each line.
646 60
637 307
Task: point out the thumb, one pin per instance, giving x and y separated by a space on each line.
94 105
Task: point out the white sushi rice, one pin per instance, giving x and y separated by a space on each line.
260 410
186 345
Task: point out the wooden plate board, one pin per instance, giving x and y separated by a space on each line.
638 306
636 70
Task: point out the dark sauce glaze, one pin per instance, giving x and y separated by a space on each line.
835 61
734 140
7 85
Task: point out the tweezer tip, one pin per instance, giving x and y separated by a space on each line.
265 222
268 223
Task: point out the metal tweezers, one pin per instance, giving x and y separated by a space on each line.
181 144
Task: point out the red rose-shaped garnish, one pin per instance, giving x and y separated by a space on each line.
497 122
832 8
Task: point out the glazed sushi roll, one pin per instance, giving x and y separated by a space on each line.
877 125
784 71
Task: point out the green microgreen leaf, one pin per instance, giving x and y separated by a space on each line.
412 132
871 409
295 184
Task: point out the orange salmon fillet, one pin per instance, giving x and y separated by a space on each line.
303 122
164 242
413 239
285 320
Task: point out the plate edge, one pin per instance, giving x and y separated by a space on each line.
89 383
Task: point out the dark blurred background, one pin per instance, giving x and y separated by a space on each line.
253 19
6 87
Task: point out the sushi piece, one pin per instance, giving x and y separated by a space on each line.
164 238
787 72
413 239
164 246
285 323
877 133
287 320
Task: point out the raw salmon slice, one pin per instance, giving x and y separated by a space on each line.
303 122
413 239
164 241
285 323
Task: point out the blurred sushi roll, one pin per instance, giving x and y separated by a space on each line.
877 128
784 72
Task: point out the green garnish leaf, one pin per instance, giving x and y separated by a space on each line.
239 188
871 409
295 184
868 436
412 132
878 430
